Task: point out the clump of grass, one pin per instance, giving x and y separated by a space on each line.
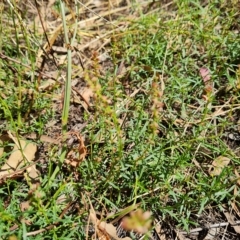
167 127
20 99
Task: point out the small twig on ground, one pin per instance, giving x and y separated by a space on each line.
216 225
52 225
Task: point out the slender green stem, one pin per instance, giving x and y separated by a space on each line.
67 95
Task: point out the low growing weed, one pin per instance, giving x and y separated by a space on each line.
170 130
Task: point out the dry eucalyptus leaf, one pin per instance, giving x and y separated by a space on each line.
218 165
17 158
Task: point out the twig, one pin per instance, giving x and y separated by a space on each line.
19 171
52 225
216 225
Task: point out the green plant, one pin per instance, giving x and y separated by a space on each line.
153 131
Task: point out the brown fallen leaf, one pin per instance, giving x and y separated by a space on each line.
105 231
24 206
110 230
44 138
230 219
82 152
48 84
238 176
87 93
22 151
234 202
218 165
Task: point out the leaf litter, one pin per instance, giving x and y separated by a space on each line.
218 165
23 153
104 231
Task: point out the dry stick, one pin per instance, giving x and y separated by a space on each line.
45 33
164 6
52 225
216 225
18 171
89 9
217 114
224 233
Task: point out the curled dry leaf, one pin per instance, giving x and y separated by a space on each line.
218 165
82 152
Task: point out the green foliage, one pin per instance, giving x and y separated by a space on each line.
151 135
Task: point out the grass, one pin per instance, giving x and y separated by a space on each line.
154 128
